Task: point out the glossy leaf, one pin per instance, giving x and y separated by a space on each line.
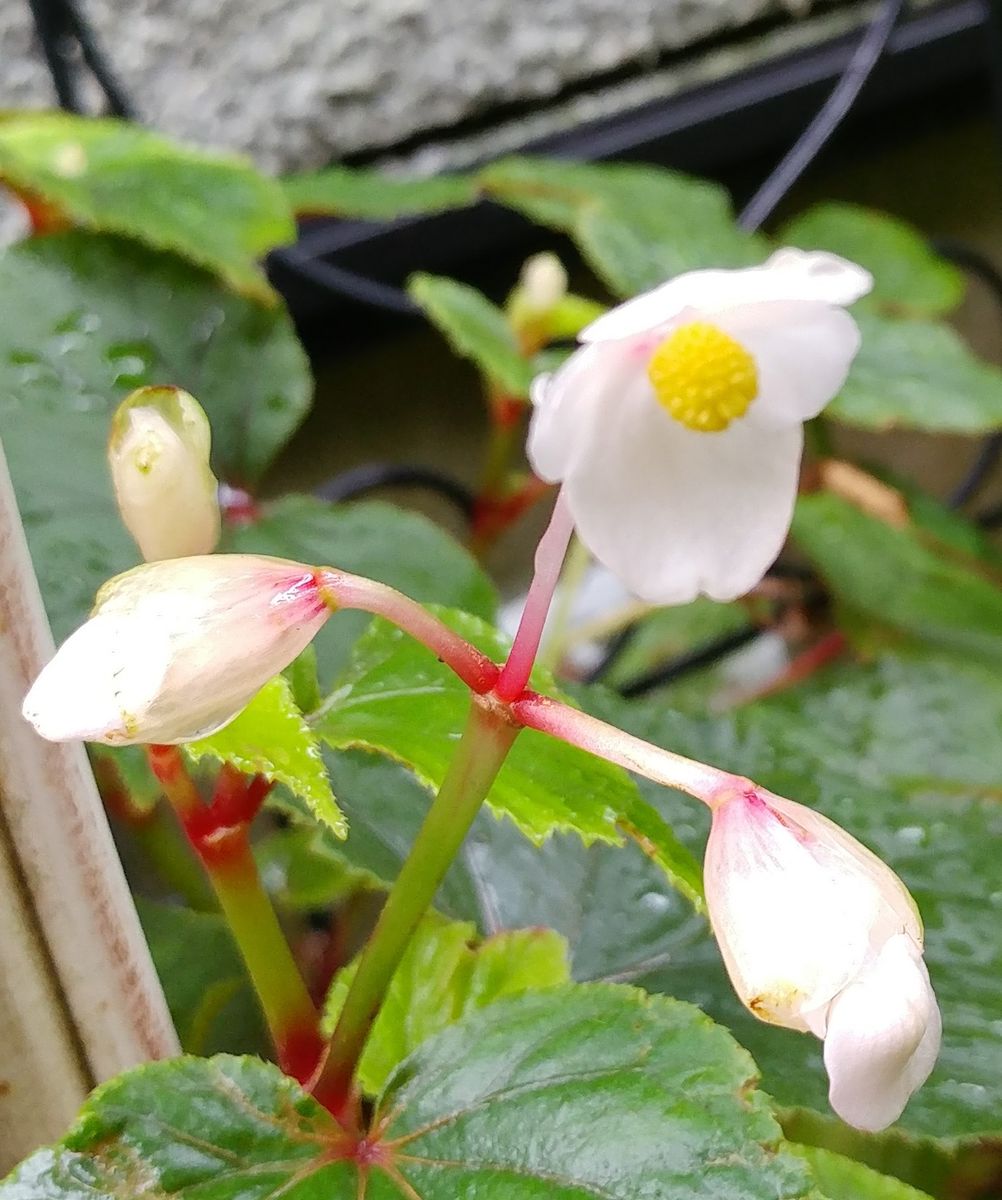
370 538
375 195
272 738
905 755
902 577
475 328
909 277
398 699
918 375
635 225
444 976
111 176
570 1093
96 317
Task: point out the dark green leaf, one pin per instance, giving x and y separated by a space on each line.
374 195
906 755
208 992
403 549
918 375
901 577
909 277
571 1094
272 738
96 317
443 976
215 210
636 225
475 328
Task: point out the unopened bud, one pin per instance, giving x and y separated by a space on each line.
159 458
174 650
542 283
818 934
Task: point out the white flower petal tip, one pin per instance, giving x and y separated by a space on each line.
159 459
175 649
883 1037
819 935
676 428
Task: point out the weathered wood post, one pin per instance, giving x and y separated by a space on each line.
79 998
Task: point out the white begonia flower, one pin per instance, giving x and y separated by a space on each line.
175 649
676 429
159 459
819 935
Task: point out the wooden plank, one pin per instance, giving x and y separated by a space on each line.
62 851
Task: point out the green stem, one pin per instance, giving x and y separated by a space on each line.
481 751
223 846
289 1012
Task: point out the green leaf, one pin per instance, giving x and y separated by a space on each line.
918 375
272 738
901 577
909 277
96 317
570 1094
216 210
396 698
444 976
635 225
204 979
905 755
400 548
842 1179
374 195
475 328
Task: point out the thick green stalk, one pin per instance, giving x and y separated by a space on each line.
481 751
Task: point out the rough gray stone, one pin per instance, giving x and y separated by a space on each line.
296 85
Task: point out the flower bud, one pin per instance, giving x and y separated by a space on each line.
174 650
159 458
819 935
542 283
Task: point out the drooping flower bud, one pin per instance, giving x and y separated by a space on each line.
159 458
819 935
174 650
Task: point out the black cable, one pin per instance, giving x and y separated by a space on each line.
831 114
66 38
685 664
613 649
369 477
346 283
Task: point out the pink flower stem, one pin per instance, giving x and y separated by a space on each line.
342 590
704 782
549 559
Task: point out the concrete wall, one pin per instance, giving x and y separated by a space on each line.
297 84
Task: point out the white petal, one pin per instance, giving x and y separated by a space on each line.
883 1037
100 682
817 275
674 513
793 914
570 402
788 275
803 350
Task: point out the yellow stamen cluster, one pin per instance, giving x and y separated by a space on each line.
703 377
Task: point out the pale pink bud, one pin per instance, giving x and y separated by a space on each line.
158 453
174 650
819 934
542 283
